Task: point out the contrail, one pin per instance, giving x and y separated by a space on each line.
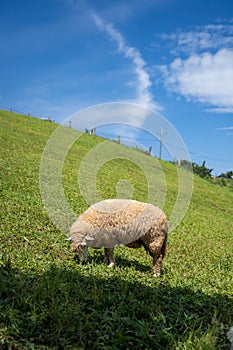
144 96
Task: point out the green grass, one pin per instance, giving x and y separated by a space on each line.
49 301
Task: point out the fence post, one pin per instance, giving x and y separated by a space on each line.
119 140
149 151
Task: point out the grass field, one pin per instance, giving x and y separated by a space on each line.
49 301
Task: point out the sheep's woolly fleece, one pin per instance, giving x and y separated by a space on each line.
115 221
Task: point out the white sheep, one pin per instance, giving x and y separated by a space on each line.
119 221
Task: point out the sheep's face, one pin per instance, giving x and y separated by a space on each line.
82 250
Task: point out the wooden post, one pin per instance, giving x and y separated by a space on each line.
149 151
119 140
70 124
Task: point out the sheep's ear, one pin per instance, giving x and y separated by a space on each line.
89 239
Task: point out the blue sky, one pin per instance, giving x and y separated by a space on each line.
172 56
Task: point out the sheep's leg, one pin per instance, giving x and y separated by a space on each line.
157 263
158 254
106 255
109 256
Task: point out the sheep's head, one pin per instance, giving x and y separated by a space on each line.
80 239
81 249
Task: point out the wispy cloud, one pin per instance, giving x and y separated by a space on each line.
220 110
225 128
212 37
143 81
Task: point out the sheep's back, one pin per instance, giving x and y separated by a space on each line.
112 213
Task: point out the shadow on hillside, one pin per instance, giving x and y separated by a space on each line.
63 309
97 256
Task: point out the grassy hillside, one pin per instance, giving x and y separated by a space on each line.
49 301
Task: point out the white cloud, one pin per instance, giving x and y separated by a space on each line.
114 112
203 69
212 37
205 77
143 81
226 128
220 110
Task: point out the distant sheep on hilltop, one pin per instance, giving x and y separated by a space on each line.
119 221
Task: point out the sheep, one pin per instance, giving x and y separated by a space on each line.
120 221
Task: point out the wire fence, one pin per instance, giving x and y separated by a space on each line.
143 141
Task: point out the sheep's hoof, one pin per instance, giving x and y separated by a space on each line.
111 265
157 274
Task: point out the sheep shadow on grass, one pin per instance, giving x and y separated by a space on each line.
70 308
96 256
